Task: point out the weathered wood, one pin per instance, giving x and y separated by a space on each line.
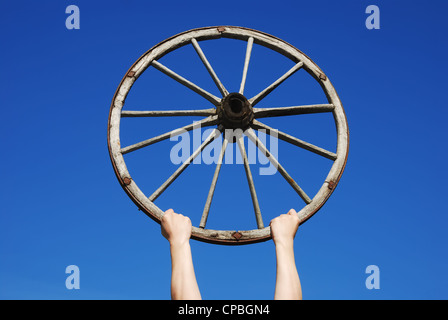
252 136
168 113
275 84
290 111
295 141
207 95
212 120
213 184
184 165
250 180
210 70
250 43
227 237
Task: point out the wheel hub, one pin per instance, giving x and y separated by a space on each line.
235 111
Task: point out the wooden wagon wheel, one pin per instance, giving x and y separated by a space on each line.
232 110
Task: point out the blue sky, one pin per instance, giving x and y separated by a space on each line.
62 204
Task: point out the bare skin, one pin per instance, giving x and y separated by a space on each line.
176 228
283 230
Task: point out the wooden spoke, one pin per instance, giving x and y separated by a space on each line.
289 111
275 84
213 185
183 166
209 121
207 95
295 141
250 43
210 70
252 136
251 183
168 113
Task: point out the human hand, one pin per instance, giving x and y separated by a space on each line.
284 227
176 228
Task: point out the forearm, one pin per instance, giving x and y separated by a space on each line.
183 280
287 283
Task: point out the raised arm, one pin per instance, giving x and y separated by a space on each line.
176 228
283 230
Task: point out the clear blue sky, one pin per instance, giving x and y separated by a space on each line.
62 204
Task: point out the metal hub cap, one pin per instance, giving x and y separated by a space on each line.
235 111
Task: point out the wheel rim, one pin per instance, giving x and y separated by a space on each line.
244 116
